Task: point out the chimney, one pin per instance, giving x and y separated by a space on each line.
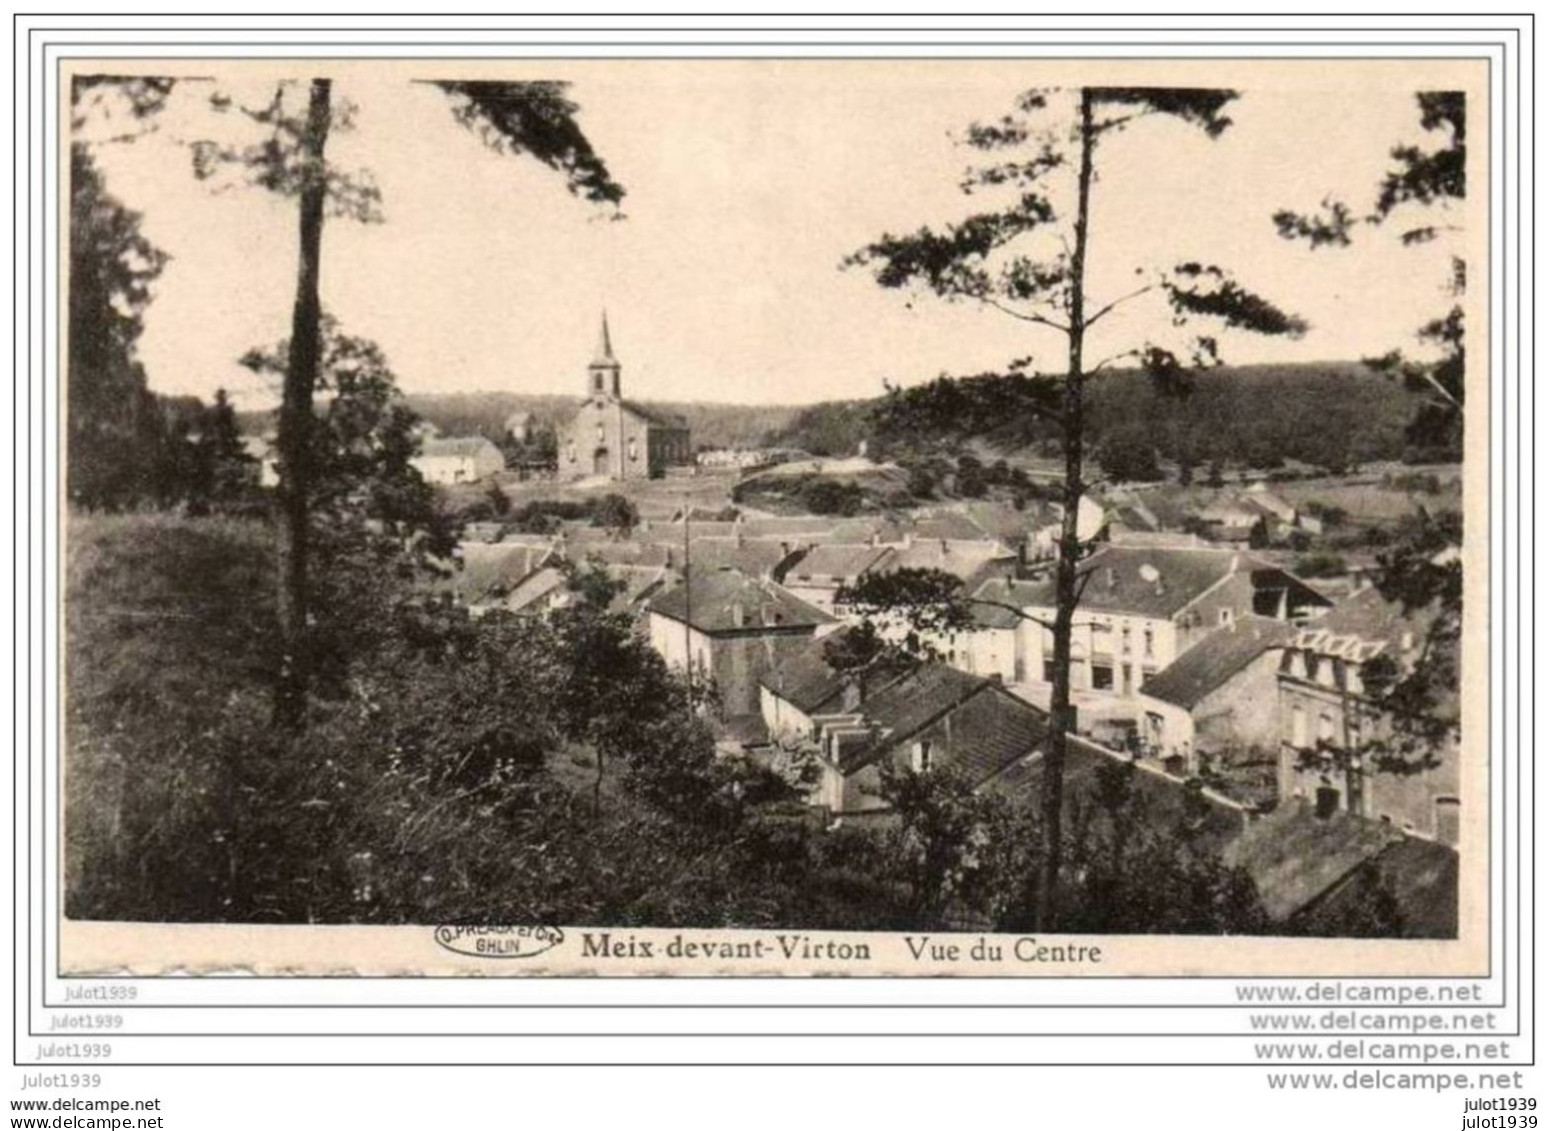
738 615
945 549
854 693
1112 578
1236 560
908 539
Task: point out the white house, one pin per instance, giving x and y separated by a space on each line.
1140 608
461 459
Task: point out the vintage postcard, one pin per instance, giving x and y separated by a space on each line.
975 517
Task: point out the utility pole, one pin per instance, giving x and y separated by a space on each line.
687 601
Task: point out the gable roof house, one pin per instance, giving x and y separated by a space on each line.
492 572
459 459
1218 695
824 570
917 714
728 627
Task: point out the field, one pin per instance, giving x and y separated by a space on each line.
653 498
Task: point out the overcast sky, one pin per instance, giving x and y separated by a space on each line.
747 184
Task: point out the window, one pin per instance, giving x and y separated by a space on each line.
1102 638
1150 642
1225 616
634 450
1048 671
599 433
1102 677
1324 727
1126 644
923 755
1298 726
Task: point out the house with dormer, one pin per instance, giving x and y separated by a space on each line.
1140 608
1336 720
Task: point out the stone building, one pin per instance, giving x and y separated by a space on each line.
1328 704
613 438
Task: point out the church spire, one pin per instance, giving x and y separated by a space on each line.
605 374
605 346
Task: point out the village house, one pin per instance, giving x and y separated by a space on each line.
1000 640
1327 707
824 570
490 574
1218 695
927 717
613 438
1142 607
730 628
460 459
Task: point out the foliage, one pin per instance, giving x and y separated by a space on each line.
535 119
1433 182
116 441
1129 456
615 512
829 496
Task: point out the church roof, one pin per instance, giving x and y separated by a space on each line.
650 416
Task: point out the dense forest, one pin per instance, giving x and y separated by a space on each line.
1329 415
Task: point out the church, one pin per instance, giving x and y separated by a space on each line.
614 438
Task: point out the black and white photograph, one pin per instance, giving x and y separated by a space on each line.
809 516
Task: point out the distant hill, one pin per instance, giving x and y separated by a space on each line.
1322 414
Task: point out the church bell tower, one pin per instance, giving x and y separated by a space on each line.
604 374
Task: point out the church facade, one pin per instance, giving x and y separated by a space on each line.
614 438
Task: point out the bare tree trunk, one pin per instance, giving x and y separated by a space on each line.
295 423
1060 715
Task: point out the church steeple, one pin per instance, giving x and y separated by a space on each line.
604 372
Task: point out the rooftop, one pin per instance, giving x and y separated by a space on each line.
1295 856
907 705
1154 581
454 446
1004 591
728 600
490 571
805 679
845 562
1216 658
